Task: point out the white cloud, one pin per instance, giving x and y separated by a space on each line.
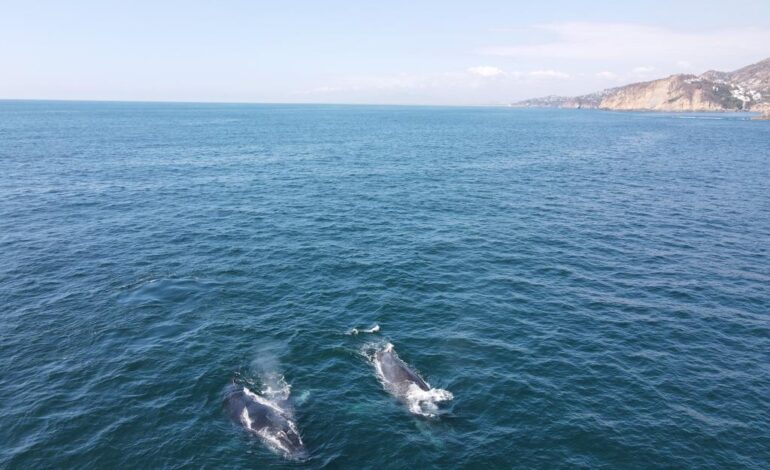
486 71
558 58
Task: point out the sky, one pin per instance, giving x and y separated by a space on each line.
383 52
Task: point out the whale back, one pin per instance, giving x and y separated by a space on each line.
265 419
395 371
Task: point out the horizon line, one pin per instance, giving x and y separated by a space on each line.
300 103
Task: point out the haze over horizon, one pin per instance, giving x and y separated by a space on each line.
489 52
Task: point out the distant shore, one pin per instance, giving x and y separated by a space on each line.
744 89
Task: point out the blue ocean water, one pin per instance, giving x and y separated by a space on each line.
592 287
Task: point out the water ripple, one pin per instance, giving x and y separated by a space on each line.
592 287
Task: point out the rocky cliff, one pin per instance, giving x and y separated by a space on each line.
745 89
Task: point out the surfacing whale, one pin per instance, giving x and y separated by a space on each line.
405 384
270 420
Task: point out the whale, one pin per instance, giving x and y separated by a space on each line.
395 371
404 383
270 420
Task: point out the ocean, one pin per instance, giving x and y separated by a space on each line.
592 288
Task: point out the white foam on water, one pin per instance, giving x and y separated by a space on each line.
423 402
275 387
355 331
369 350
245 418
303 397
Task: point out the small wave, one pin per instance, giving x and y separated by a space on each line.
165 290
700 117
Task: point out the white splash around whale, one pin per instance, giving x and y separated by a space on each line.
420 402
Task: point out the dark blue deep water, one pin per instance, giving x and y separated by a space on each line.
592 287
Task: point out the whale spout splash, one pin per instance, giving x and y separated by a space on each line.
406 385
268 416
355 331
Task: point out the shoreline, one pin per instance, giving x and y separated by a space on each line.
648 110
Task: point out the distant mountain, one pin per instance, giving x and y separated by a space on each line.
745 89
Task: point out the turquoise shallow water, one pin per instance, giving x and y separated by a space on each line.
593 288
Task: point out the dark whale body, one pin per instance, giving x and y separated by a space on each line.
405 384
270 421
395 371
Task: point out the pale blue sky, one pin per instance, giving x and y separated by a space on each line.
431 52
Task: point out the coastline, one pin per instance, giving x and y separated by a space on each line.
748 114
